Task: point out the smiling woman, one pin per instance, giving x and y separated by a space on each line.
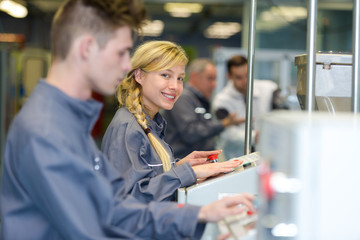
158 71
134 141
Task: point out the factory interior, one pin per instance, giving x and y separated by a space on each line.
303 170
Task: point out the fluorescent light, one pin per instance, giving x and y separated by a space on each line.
14 9
290 13
279 17
182 9
222 30
180 14
153 28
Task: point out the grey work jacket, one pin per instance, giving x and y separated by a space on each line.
129 149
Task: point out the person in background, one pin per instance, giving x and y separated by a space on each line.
232 99
190 123
56 184
134 140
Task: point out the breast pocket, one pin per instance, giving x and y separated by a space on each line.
202 112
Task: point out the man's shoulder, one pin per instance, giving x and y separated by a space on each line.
187 93
222 93
35 117
187 98
266 84
226 95
33 125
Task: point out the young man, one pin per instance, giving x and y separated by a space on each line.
56 184
232 99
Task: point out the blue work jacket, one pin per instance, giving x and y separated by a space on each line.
56 184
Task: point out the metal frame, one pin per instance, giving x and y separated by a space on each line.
311 44
250 77
356 63
311 63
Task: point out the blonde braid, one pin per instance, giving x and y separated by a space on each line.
149 57
134 105
159 148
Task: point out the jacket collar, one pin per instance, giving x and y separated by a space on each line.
158 124
86 112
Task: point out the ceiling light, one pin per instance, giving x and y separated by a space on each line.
183 14
279 17
153 28
222 30
290 14
14 9
182 9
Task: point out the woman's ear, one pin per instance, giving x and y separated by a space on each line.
138 74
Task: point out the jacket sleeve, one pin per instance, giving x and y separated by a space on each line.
192 127
133 156
81 203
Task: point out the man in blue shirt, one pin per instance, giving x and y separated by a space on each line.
56 184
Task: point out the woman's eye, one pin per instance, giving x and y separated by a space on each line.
165 75
180 79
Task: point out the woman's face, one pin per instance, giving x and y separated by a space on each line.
161 89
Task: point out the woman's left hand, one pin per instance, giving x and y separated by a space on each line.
197 157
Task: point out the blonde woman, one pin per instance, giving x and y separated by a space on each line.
134 141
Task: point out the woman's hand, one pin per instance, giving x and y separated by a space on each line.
197 157
207 170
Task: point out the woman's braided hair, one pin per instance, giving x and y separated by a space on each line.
148 57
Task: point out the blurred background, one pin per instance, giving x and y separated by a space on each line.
215 29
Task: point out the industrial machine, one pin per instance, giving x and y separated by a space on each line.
242 179
309 176
310 160
333 81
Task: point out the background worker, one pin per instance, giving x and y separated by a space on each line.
191 125
232 98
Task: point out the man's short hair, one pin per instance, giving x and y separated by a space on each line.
97 17
236 61
198 65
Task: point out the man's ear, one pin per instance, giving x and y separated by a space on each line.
138 74
87 46
192 75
